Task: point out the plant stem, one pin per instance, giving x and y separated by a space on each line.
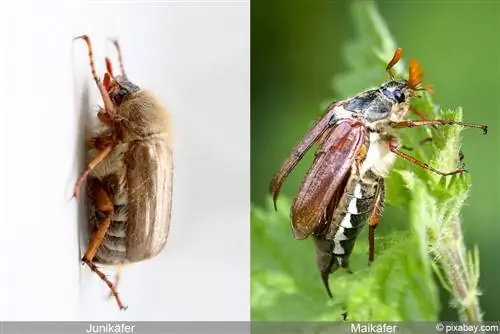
452 258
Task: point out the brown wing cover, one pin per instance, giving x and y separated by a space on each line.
326 176
149 177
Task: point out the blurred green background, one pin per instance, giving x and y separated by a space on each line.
296 50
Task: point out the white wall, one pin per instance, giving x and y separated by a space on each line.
195 55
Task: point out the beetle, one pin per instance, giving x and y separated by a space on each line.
357 146
129 175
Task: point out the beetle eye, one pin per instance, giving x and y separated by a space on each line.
117 97
399 95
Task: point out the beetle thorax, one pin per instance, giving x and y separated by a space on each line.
143 117
379 158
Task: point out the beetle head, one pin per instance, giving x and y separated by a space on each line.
396 91
399 91
120 89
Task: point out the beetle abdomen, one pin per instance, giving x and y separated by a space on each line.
351 224
357 205
113 249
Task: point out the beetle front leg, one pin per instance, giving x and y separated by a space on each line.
423 118
103 141
105 206
420 143
91 165
394 148
418 113
411 124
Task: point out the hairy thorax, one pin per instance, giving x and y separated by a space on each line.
379 158
142 116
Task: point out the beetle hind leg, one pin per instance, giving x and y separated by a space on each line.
374 220
99 273
117 280
103 202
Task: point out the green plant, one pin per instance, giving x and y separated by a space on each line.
400 285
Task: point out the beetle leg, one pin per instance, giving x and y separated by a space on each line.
105 205
371 238
430 139
425 121
418 113
411 124
393 147
102 141
373 222
117 280
420 143
424 118
108 105
91 165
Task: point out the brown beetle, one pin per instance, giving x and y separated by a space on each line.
358 145
129 174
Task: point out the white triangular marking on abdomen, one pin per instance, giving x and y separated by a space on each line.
358 191
346 221
353 206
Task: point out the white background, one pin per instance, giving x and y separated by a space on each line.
195 56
